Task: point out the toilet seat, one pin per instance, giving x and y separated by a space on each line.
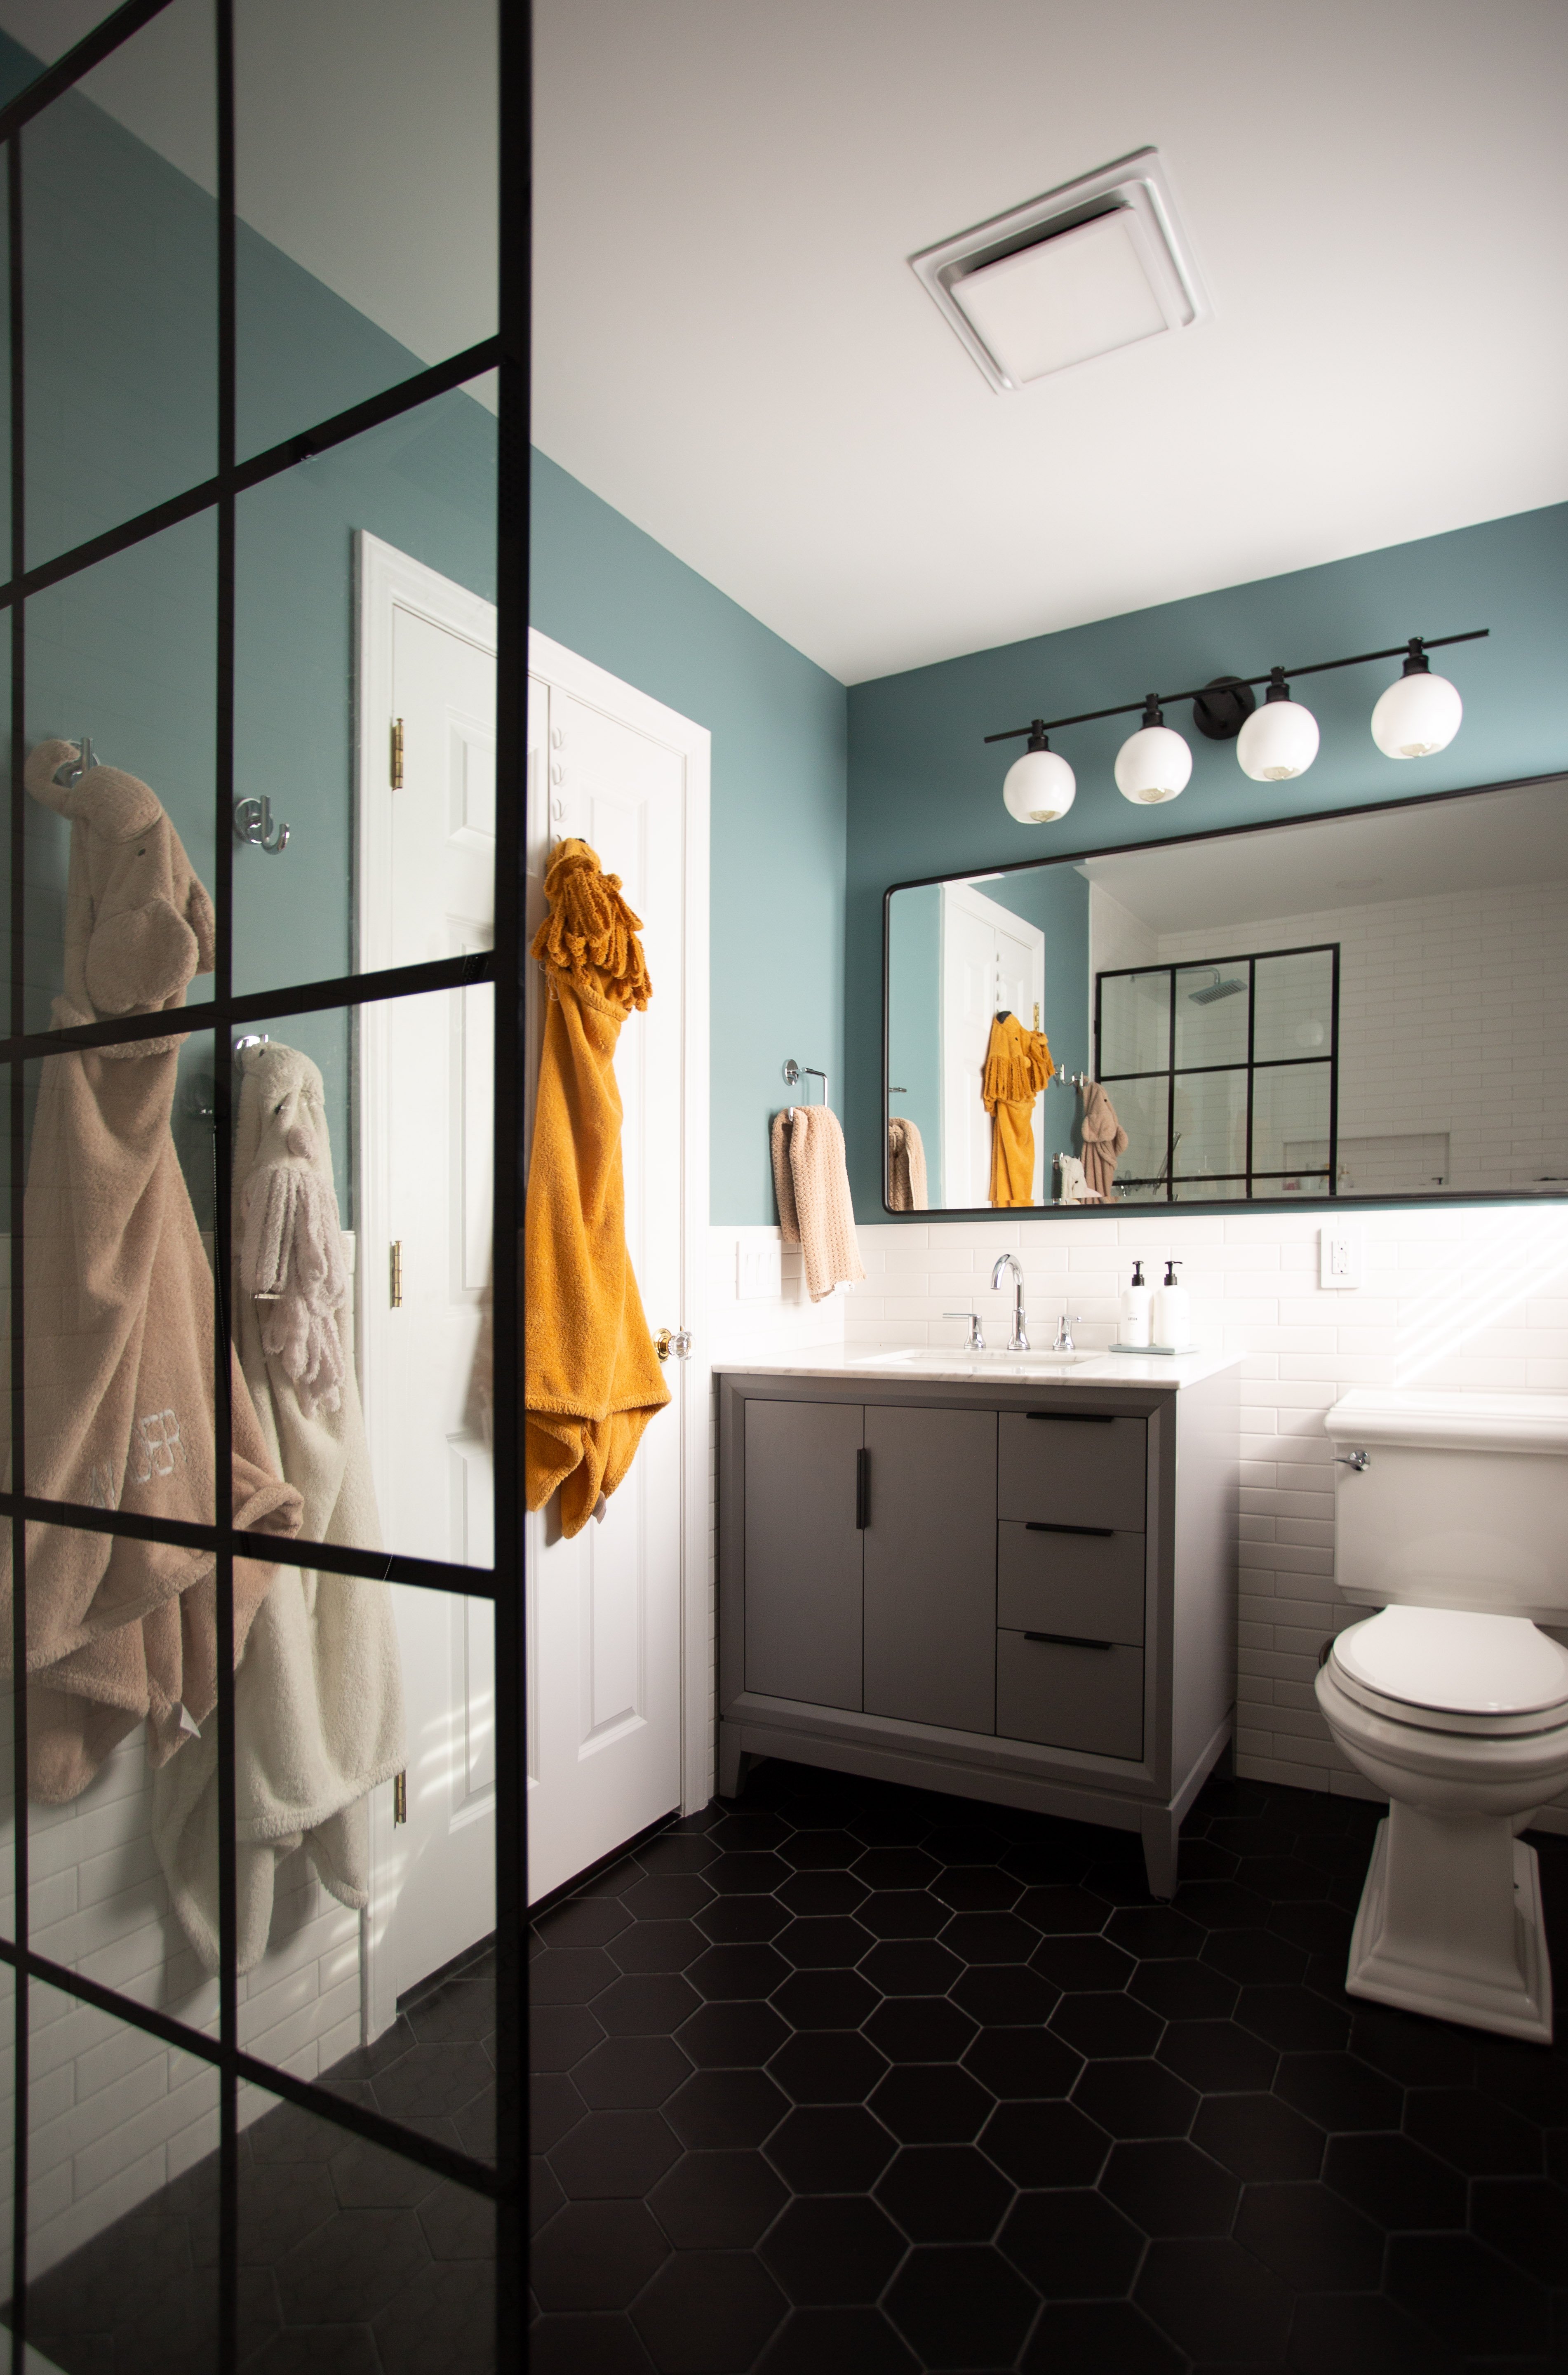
1453 1670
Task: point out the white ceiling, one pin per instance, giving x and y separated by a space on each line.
1493 842
731 348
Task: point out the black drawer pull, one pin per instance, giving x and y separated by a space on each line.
1078 1418
1069 1640
862 1490
1040 1525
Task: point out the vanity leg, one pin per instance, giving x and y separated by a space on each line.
1159 1828
733 1762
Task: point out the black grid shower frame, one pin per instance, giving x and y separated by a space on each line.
1170 1071
505 354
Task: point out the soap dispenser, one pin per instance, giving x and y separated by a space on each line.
1136 1302
1172 1311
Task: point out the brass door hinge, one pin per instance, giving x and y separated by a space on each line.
397 754
396 1268
1037 1014
400 1797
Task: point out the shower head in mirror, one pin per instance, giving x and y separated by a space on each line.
1216 988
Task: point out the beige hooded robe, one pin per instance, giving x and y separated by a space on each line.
118 1308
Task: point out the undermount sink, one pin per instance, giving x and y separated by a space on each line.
962 1362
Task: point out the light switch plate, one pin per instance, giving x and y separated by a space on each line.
759 1270
1339 1259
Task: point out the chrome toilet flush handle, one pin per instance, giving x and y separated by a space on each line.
1359 1460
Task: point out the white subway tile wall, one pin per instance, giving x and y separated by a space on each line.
1467 1296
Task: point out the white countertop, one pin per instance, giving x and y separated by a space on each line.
1172 1370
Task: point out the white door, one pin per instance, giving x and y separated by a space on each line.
617 1617
991 961
426 890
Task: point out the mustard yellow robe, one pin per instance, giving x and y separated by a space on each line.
591 1378
1018 1065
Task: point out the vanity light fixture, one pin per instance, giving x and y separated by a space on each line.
1154 764
1040 786
1420 713
1417 716
1279 740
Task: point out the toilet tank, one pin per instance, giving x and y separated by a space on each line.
1462 1501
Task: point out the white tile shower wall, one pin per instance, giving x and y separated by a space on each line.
115 2113
1450 1021
1471 1296
759 1328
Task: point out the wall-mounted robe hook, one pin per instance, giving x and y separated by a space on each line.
74 769
252 826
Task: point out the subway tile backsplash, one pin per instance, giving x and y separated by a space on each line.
1465 1296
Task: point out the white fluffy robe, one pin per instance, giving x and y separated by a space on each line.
319 1693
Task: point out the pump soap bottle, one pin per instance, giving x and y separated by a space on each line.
1136 1302
1173 1312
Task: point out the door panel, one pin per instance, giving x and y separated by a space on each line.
931 1567
803 1552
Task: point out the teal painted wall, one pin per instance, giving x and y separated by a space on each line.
119 257
607 591
924 795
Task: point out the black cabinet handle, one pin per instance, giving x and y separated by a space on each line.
862 1490
1040 1525
1078 1418
1069 1640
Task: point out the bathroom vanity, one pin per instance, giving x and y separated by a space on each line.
1012 1580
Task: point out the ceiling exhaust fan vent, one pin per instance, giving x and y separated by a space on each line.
1099 264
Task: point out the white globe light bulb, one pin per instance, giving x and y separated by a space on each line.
1153 765
1418 714
1277 741
1040 787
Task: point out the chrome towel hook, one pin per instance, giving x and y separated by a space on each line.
253 827
71 773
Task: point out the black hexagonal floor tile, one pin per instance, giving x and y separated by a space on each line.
826 1999
921 2028
1063 1909
1046 2144
830 2148
666 1897
596 2255
1216 2301
1079 1964
1217 2057
1469 2295
1072 2246
821 1850
837 2342
932 2103
1341 2093
630 2074
1524 2219
896 1868
911 1966
826 1941
1168 2186
717 2200
725 2109
732 2035
657 1947
1022 2064
834 2252
822 1893
981 1937
960 2306
1094 2337
741 1921
977 1889
1394 2181
903 1913
709 2309
1106 2027
945 2193
737 1974
1003 1995
828 2066
1185 1990
1258 2138
1473 2132
614 2154
1311 2237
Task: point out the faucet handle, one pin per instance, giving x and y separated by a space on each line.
976 1341
1064 1342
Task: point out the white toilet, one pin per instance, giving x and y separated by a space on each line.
1451 1516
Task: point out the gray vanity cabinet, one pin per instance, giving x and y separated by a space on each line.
803 1561
1022 1593
931 1567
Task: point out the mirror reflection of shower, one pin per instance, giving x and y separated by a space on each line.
1216 988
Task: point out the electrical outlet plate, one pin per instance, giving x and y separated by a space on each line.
1339 1259
759 1270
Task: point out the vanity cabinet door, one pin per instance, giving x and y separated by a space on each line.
803 1551
931 1567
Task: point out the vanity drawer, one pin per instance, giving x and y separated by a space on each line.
1067 1696
1062 1580
1072 1468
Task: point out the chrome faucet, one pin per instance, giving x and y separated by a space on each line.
1064 1342
1017 1342
976 1341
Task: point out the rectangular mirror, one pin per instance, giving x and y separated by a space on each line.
1359 1005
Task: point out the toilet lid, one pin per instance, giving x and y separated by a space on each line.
1457 1662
